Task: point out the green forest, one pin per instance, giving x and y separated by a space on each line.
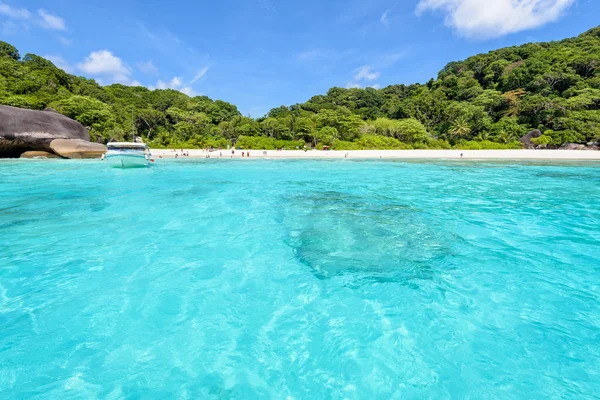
486 101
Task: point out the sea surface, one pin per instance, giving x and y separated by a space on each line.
299 279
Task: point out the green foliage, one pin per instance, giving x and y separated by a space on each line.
93 114
370 142
326 135
507 130
557 138
543 140
8 50
486 101
487 145
407 130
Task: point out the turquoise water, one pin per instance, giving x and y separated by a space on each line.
254 279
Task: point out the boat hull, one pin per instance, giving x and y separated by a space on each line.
127 160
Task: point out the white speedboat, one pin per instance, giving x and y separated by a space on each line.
128 155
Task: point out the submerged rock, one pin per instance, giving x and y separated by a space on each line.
73 148
23 130
526 140
39 154
344 230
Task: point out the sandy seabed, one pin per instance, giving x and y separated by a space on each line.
385 154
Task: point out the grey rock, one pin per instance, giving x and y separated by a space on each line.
572 146
24 130
526 140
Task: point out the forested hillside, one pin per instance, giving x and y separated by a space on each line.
486 101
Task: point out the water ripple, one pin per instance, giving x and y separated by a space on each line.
300 279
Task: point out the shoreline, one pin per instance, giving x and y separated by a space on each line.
581 155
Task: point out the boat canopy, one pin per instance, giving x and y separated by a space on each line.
127 145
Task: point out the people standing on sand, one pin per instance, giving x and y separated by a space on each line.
242 154
461 155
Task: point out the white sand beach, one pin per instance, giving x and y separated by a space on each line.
385 154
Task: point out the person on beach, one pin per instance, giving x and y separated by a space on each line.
242 154
461 155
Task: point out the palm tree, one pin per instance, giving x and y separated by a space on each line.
460 128
484 135
505 137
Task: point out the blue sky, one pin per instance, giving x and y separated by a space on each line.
259 54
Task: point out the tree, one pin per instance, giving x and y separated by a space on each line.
147 120
496 96
408 130
507 130
460 128
326 136
92 113
270 126
305 128
7 50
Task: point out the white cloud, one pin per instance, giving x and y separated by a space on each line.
188 90
59 62
16 13
13 28
65 41
44 18
366 72
356 85
148 67
384 18
173 37
493 18
387 60
310 55
175 84
107 65
266 4
51 21
199 75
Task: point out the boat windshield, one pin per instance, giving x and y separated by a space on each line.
128 147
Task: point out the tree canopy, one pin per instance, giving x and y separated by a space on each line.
488 100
